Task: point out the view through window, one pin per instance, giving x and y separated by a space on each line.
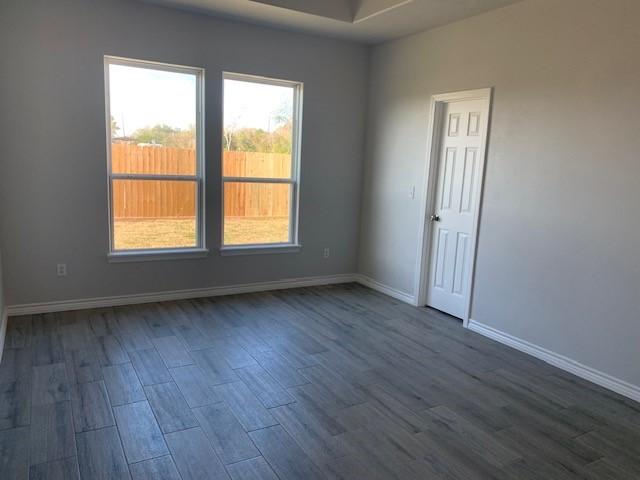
260 160
155 166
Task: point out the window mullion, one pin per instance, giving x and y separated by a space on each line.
145 176
288 181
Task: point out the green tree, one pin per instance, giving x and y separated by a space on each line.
166 136
276 140
258 140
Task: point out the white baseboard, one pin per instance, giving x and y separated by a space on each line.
66 305
4 318
81 304
599 378
382 288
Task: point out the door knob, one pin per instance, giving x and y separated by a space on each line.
435 218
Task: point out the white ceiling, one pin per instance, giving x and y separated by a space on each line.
369 21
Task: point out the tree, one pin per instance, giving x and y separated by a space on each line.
273 140
166 136
282 114
114 127
227 135
258 140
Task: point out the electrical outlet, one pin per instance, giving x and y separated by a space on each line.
326 252
61 268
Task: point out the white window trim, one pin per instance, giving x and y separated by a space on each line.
136 255
259 249
293 245
157 254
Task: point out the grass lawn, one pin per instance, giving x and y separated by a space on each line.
168 233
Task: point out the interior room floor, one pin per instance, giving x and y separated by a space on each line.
327 382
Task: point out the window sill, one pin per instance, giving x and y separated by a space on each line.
259 249
157 255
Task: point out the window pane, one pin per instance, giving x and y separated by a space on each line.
153 160
153 121
258 129
154 214
256 213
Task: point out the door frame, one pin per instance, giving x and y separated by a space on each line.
428 200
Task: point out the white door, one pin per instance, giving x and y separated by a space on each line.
455 206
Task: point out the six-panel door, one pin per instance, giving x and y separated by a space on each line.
455 205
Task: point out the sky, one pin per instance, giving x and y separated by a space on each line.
139 98
255 105
142 97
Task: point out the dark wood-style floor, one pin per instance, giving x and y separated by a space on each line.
330 382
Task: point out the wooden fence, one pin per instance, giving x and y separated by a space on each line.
139 199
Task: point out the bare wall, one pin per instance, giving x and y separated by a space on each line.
3 311
558 261
53 176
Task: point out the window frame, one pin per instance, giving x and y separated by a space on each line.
168 253
293 245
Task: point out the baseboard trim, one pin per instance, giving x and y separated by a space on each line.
565 363
99 302
67 305
588 373
382 288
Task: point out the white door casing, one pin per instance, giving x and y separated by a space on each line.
455 175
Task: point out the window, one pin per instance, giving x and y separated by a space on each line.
155 155
261 163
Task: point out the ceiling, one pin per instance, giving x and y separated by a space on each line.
368 21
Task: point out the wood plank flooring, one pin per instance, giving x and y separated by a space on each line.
332 382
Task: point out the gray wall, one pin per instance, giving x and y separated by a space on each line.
558 261
53 182
3 317
2 302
